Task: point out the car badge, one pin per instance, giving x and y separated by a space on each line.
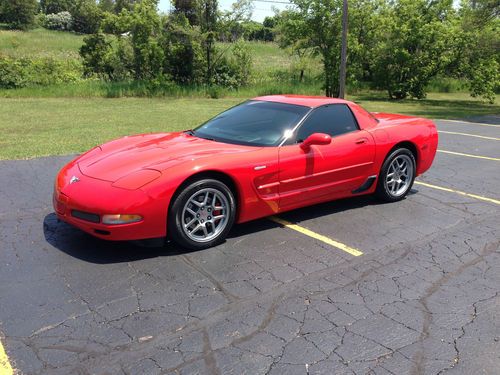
73 180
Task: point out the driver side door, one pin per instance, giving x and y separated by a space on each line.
325 172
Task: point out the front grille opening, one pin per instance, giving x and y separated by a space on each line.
102 232
87 216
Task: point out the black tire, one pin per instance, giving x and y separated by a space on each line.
175 224
386 192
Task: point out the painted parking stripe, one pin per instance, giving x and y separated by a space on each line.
5 367
468 155
472 123
317 236
469 135
475 196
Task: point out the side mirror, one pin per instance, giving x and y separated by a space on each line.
315 139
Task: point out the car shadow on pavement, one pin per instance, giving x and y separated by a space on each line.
85 247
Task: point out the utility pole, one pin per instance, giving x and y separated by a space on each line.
343 53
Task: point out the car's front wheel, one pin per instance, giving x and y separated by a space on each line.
396 176
202 214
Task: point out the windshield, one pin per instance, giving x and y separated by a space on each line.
253 123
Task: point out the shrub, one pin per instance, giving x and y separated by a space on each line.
26 71
60 21
95 52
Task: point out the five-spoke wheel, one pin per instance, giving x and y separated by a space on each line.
202 214
397 175
205 215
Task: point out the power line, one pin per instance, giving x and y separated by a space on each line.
272 2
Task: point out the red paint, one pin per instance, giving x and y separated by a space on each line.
140 174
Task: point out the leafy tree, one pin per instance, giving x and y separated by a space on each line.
87 16
107 5
294 34
316 24
18 14
269 22
188 8
56 6
124 5
477 55
144 24
183 50
415 47
208 23
231 24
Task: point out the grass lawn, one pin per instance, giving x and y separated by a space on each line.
33 127
40 42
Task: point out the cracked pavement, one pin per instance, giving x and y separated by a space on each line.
423 299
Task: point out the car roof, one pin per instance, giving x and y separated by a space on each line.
308 101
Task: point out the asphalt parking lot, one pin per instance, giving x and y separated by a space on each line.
423 298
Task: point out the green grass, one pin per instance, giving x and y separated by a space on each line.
39 43
40 127
100 89
33 127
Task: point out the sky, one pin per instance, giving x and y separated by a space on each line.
261 9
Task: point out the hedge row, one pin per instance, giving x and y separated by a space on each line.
28 71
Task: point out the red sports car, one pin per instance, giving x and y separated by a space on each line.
265 156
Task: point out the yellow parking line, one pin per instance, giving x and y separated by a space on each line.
472 123
5 367
468 155
480 197
317 236
469 135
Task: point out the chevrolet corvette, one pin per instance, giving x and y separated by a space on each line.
265 156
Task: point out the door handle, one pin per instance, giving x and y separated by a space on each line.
361 141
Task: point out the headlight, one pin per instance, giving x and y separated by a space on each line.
120 219
138 179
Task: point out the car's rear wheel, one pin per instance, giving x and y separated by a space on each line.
202 214
396 176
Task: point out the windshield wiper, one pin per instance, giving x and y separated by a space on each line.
191 132
207 138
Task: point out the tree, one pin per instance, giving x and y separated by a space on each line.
208 23
124 5
87 16
231 24
269 22
477 55
317 25
18 14
107 5
415 47
56 6
293 34
189 8
145 26
183 50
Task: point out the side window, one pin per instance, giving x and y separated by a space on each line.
334 119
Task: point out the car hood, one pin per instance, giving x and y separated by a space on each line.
160 151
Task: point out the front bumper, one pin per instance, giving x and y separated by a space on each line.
82 204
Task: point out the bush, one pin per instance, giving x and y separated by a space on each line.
95 52
24 72
61 21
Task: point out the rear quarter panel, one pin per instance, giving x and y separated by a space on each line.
393 129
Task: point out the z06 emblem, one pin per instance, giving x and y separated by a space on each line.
73 180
